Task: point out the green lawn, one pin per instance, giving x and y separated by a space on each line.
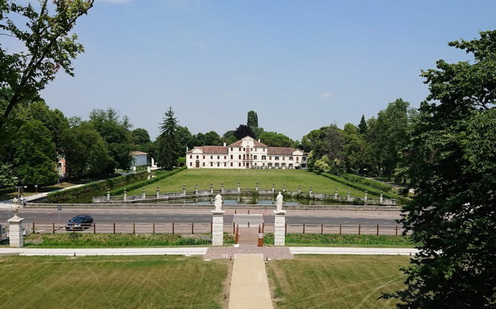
335 281
248 179
111 282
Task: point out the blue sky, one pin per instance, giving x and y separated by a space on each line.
300 65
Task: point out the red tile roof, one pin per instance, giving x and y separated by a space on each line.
283 151
212 149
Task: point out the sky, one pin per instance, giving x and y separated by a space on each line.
299 65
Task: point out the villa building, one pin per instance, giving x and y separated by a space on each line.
245 153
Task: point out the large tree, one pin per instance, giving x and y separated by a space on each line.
452 166
85 152
116 133
252 120
35 155
168 147
50 45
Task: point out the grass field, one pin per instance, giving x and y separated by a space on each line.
247 180
111 282
335 281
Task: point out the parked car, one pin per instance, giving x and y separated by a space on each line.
79 222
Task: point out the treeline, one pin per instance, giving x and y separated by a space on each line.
371 148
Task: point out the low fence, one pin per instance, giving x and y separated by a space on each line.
206 228
365 200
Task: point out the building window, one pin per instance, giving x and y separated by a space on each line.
255 157
203 163
231 164
218 157
290 158
239 164
197 156
211 157
203 157
211 163
225 164
225 157
218 163
190 163
232 149
240 157
276 158
191 156
264 157
231 157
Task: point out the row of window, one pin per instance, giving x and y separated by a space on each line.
241 164
249 157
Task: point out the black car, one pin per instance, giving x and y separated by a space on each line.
79 222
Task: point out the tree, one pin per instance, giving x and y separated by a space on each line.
452 166
115 132
85 152
274 139
391 135
354 148
327 141
252 120
243 131
35 155
168 146
49 45
362 127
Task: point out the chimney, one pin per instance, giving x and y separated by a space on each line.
224 144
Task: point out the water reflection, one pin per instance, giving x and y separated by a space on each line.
240 200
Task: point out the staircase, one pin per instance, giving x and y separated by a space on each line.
248 235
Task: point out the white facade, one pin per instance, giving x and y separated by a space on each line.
245 153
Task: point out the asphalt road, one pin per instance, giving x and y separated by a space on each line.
109 216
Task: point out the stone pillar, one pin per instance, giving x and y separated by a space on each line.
143 194
256 188
184 190
336 194
218 222
365 198
381 199
348 196
157 192
108 194
279 228
273 188
222 188
16 239
299 190
211 189
239 188
196 189
125 195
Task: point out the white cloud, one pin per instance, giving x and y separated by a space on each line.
326 95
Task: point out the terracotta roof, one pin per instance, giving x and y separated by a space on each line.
238 143
138 153
211 149
284 151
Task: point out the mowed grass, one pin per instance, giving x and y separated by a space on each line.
335 281
248 179
111 282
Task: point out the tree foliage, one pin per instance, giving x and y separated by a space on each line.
168 147
45 32
452 165
243 131
252 120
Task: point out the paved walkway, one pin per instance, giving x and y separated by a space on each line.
249 283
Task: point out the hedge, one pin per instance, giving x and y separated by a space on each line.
363 187
147 182
71 194
368 182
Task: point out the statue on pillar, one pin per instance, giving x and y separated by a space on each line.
218 202
279 201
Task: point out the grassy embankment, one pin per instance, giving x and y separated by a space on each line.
247 180
178 282
335 281
112 282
